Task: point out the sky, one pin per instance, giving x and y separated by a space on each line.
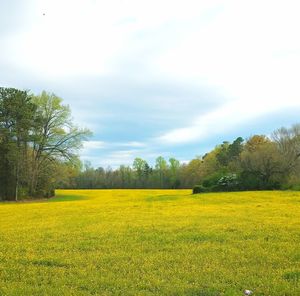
150 78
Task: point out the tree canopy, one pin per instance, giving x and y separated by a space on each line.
37 139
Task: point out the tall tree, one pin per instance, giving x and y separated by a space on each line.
56 138
264 165
142 170
161 166
37 141
174 172
288 142
16 123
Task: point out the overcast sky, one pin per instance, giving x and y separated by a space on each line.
160 77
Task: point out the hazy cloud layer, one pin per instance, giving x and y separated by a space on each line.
149 78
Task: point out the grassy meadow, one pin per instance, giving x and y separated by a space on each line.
151 242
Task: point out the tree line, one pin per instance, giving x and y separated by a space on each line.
165 174
257 163
38 143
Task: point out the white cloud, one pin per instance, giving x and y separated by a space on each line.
224 119
113 159
250 53
92 146
133 144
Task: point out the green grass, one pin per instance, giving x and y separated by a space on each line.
151 242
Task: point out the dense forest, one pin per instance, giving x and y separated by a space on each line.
258 163
39 146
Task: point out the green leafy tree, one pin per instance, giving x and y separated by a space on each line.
222 154
174 172
262 167
142 170
161 166
38 140
56 138
16 123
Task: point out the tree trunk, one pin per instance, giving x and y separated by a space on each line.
17 183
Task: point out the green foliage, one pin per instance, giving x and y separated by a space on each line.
256 164
265 164
142 170
174 173
212 180
199 189
229 182
37 138
220 181
228 153
16 126
223 154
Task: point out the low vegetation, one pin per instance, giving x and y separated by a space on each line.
151 242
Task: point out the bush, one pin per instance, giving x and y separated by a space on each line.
221 181
45 193
199 189
228 182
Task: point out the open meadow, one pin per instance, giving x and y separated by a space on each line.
151 242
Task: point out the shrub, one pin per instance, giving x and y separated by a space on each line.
199 189
228 182
221 181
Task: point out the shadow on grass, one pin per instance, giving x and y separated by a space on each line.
162 198
44 263
293 276
201 292
201 237
61 198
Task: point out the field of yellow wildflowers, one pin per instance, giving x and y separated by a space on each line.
151 242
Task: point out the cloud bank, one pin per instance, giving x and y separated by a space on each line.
150 78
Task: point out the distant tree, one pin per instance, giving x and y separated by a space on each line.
138 166
161 167
228 153
210 162
142 171
126 176
174 172
67 172
254 142
235 149
288 142
264 165
191 173
147 171
222 154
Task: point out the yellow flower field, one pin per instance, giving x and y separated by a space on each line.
151 242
